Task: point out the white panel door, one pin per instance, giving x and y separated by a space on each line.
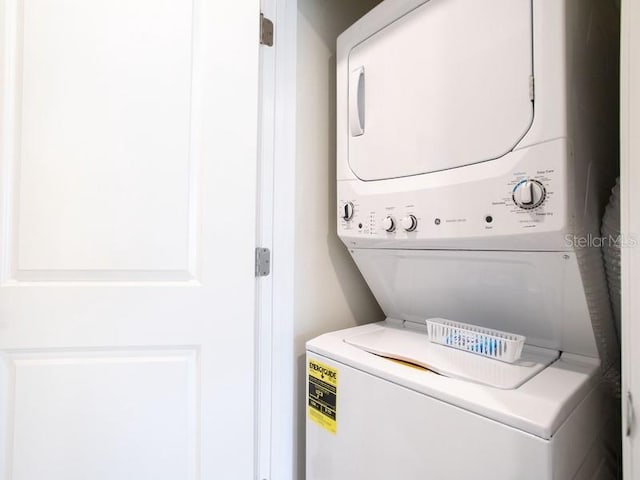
127 225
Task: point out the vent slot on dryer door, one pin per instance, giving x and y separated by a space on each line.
447 85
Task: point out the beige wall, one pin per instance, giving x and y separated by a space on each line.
330 294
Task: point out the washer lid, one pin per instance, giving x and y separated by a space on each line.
539 406
446 85
414 347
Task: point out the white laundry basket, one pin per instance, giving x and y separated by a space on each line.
503 346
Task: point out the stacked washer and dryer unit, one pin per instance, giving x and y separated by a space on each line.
474 156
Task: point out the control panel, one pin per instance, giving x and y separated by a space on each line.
530 197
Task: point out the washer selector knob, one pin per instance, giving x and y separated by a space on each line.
409 223
529 194
389 224
346 212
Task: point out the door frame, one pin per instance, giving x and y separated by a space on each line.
275 362
630 229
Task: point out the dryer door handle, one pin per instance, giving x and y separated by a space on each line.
356 102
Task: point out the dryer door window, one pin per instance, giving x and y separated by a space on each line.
446 85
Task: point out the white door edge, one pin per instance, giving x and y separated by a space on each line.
264 234
275 449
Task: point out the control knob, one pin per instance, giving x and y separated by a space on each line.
346 212
389 224
529 194
409 223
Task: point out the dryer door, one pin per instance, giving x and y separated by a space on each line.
446 85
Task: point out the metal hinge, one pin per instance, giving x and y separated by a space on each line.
631 418
266 31
263 262
532 88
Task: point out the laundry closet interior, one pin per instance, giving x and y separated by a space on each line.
449 117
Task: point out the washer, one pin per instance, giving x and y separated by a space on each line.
402 422
471 173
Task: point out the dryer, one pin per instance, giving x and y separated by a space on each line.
474 152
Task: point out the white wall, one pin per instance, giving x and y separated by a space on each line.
329 292
630 225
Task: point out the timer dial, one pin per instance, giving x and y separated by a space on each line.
529 194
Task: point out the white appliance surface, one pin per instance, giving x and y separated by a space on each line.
404 103
413 346
398 422
465 208
550 30
538 407
536 294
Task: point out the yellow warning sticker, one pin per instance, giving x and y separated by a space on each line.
323 395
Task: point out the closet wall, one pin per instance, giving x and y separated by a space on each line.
330 294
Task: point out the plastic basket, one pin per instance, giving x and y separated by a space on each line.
503 346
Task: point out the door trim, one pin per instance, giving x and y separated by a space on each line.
275 449
630 225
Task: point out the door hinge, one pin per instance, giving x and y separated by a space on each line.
266 31
631 417
532 88
263 262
